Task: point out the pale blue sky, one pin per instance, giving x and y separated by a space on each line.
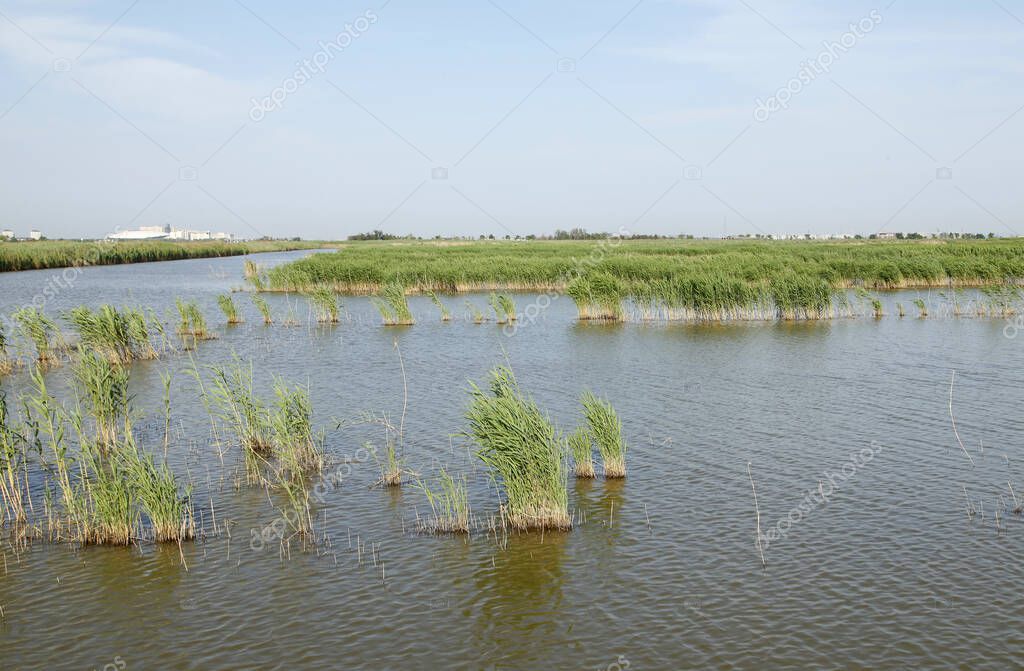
115 115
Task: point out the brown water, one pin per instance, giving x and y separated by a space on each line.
663 573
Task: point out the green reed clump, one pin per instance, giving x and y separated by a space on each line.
106 496
581 449
252 269
47 418
800 297
232 400
324 303
36 328
393 305
104 387
605 429
508 306
518 443
449 504
296 445
263 307
120 336
227 306
155 488
597 296
876 307
192 322
445 314
7 363
139 336
475 313
13 464
922 307
504 308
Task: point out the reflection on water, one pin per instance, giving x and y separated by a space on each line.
661 568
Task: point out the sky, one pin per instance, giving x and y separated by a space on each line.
323 119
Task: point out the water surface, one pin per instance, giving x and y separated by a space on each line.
661 572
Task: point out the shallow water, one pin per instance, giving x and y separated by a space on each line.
662 571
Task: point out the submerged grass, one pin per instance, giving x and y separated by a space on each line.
605 429
519 445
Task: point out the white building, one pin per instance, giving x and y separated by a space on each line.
35 235
7 233
167 233
143 233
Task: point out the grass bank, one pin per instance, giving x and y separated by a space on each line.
42 254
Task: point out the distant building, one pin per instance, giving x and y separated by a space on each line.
886 236
35 235
167 233
143 233
7 233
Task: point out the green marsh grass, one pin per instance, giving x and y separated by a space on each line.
42 333
597 297
581 449
263 307
449 504
232 400
35 255
252 269
393 305
324 303
445 314
508 306
504 308
191 322
155 488
120 336
297 446
103 385
922 307
520 447
670 279
7 362
13 465
227 306
605 430
475 313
